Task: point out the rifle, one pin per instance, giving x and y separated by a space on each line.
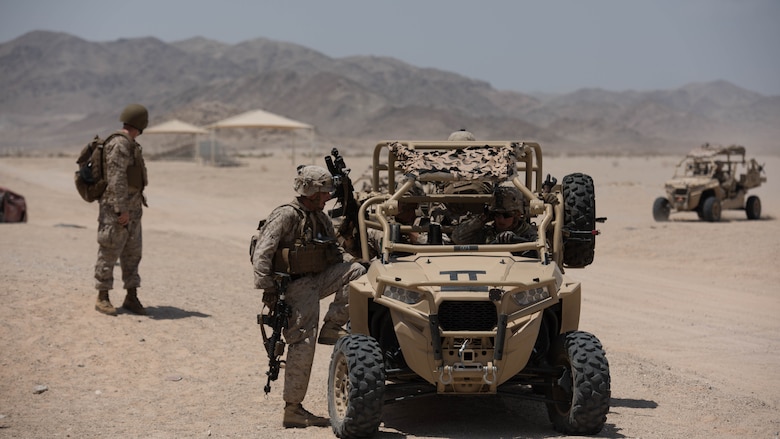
277 320
548 184
345 194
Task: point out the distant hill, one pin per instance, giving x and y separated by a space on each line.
59 90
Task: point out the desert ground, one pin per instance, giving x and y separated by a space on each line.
687 312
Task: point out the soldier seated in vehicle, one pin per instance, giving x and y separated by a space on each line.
720 174
452 214
408 215
703 168
724 178
504 222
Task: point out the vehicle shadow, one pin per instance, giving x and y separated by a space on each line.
166 313
485 416
723 219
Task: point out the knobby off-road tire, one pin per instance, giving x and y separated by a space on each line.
579 215
753 207
661 209
583 388
711 209
356 386
700 211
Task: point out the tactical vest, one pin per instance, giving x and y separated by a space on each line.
305 255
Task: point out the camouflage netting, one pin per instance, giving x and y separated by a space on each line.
470 163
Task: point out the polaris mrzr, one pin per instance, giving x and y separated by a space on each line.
711 179
468 320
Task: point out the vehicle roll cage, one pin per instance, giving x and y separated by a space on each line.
524 171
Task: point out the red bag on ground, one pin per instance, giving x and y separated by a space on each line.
13 207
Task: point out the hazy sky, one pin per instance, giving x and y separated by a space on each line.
526 46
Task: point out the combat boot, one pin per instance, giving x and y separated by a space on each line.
104 305
330 333
132 303
295 416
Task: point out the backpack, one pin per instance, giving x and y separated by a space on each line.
90 178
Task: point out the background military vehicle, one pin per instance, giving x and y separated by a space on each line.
710 179
477 319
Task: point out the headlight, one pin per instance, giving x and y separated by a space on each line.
402 295
530 297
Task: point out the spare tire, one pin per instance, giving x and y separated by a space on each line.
579 220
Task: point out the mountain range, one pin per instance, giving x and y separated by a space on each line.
58 90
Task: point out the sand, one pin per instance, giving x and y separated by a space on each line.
687 312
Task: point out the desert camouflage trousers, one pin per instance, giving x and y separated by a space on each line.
123 243
303 295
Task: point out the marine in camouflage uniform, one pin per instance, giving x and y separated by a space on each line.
119 220
452 214
504 224
303 221
407 215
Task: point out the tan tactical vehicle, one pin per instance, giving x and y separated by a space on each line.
710 179
476 319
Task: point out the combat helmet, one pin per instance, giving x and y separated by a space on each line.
462 135
136 116
312 179
465 187
507 199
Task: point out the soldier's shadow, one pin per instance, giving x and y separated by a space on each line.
171 313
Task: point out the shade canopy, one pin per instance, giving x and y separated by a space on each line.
259 119
175 126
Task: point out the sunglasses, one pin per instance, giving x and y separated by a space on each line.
504 214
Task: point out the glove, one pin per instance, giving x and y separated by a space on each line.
270 296
505 237
549 198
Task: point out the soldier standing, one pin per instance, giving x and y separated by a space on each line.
119 220
298 238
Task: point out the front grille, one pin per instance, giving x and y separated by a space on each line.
467 316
